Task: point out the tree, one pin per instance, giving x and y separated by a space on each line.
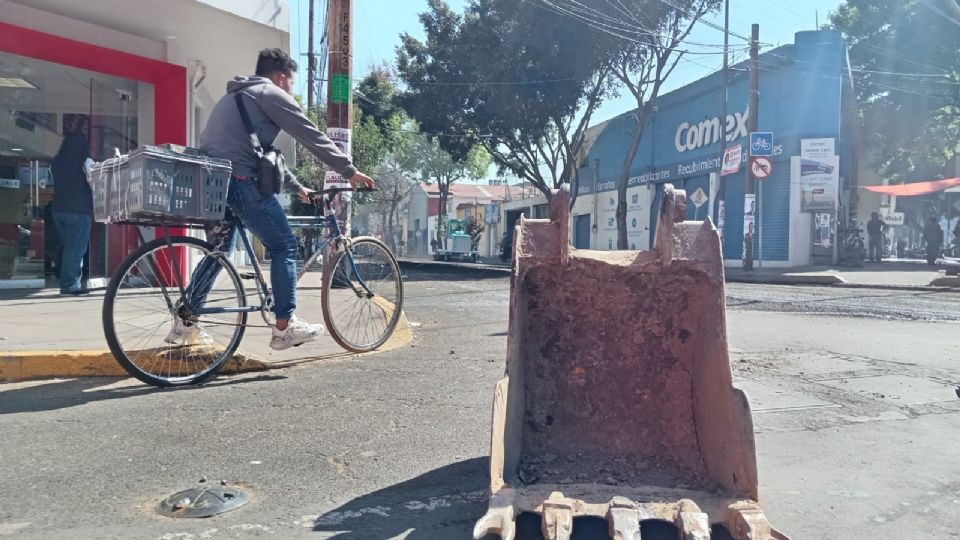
643 64
905 58
398 174
518 78
377 99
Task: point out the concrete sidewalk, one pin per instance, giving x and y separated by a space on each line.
43 335
893 274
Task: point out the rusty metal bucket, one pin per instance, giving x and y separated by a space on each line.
618 402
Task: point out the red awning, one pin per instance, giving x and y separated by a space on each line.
916 188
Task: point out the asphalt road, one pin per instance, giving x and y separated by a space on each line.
853 410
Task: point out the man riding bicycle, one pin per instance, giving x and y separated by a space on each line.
268 102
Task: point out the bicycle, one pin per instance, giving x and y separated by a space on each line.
361 298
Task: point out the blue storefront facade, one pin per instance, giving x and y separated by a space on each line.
805 94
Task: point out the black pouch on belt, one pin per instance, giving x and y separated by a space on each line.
270 160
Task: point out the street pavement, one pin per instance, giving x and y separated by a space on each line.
852 392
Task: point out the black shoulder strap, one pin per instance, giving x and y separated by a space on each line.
254 140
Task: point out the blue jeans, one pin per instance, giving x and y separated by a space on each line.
264 217
75 237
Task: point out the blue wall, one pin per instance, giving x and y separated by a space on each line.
800 97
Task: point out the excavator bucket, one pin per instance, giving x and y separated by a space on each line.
618 403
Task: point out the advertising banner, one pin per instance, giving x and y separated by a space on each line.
819 180
731 160
342 137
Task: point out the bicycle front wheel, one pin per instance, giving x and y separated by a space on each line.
154 332
362 295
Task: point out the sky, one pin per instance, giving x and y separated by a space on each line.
379 23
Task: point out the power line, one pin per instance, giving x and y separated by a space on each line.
704 21
617 31
932 7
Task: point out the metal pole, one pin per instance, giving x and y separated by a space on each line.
752 127
760 224
721 184
311 59
340 96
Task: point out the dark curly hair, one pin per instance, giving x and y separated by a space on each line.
272 61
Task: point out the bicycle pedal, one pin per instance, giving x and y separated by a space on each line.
248 275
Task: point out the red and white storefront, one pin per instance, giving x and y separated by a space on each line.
134 72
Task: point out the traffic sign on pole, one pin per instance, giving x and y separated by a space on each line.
761 143
761 167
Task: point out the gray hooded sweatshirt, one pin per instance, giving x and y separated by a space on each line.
270 110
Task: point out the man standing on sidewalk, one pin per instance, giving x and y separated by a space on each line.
72 206
875 229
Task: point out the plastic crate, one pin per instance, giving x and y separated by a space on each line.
106 203
157 184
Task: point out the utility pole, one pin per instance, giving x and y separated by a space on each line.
311 59
340 96
751 127
721 184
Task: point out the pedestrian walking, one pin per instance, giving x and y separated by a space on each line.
73 206
875 229
933 235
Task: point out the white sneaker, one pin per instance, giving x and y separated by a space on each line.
298 332
189 336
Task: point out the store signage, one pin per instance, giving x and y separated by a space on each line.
731 160
817 148
692 136
893 219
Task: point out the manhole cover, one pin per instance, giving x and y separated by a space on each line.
203 501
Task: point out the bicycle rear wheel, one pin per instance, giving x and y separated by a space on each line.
362 295
152 331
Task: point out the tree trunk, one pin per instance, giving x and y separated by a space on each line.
442 217
383 227
391 233
625 179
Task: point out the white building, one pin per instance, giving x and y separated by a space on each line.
464 200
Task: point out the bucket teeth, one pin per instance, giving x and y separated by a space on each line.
500 518
747 522
557 517
693 524
624 519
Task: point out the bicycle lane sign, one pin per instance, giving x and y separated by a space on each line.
761 143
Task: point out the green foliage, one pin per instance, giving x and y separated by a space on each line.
911 123
520 80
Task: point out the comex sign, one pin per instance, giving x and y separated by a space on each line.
692 136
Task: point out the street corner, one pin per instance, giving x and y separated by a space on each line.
30 365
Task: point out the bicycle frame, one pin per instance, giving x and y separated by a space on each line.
335 237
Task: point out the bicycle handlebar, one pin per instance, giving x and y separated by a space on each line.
323 197
335 190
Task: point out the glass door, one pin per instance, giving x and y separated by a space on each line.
40 102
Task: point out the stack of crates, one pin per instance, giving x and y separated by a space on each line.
155 184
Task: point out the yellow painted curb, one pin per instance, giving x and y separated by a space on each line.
26 365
